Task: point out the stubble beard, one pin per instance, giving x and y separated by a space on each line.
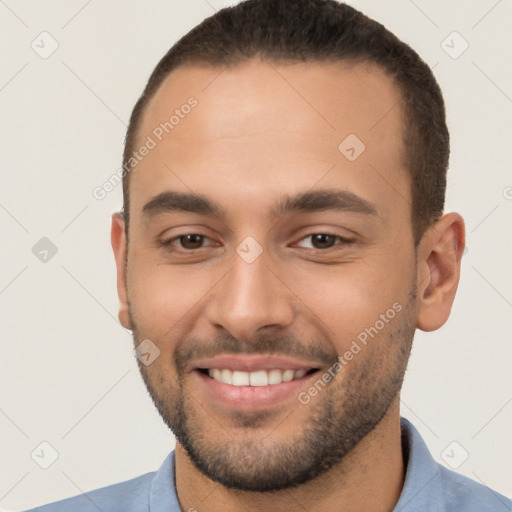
339 418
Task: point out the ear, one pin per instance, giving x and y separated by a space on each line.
439 258
118 239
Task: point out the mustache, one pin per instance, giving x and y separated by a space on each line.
284 345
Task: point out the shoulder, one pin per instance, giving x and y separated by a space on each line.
431 487
462 493
128 496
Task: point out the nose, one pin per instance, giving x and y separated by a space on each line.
251 296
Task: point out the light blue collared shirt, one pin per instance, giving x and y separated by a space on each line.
428 487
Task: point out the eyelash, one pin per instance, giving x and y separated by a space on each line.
344 241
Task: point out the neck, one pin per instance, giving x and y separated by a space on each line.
370 477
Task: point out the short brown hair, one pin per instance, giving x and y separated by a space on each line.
321 30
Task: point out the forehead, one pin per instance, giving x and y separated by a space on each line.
336 96
261 127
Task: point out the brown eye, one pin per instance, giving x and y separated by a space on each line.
186 243
322 241
193 241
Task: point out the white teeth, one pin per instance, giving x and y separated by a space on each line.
257 378
226 376
299 374
240 379
288 375
275 377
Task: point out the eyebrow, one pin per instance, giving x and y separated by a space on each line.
311 201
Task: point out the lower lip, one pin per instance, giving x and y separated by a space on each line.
250 398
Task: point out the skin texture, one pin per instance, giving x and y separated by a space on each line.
261 131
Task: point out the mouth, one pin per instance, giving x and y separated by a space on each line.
261 377
248 383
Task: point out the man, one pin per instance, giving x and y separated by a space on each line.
281 239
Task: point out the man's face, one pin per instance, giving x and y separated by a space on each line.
266 288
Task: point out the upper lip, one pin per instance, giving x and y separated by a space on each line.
251 363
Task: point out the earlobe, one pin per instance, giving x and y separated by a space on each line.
119 246
439 260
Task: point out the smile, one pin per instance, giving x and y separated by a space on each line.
256 378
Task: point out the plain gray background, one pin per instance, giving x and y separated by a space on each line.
69 377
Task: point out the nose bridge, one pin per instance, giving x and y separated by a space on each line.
250 296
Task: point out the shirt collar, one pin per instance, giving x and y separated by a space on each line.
162 494
422 475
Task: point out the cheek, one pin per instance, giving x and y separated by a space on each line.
357 306
163 297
